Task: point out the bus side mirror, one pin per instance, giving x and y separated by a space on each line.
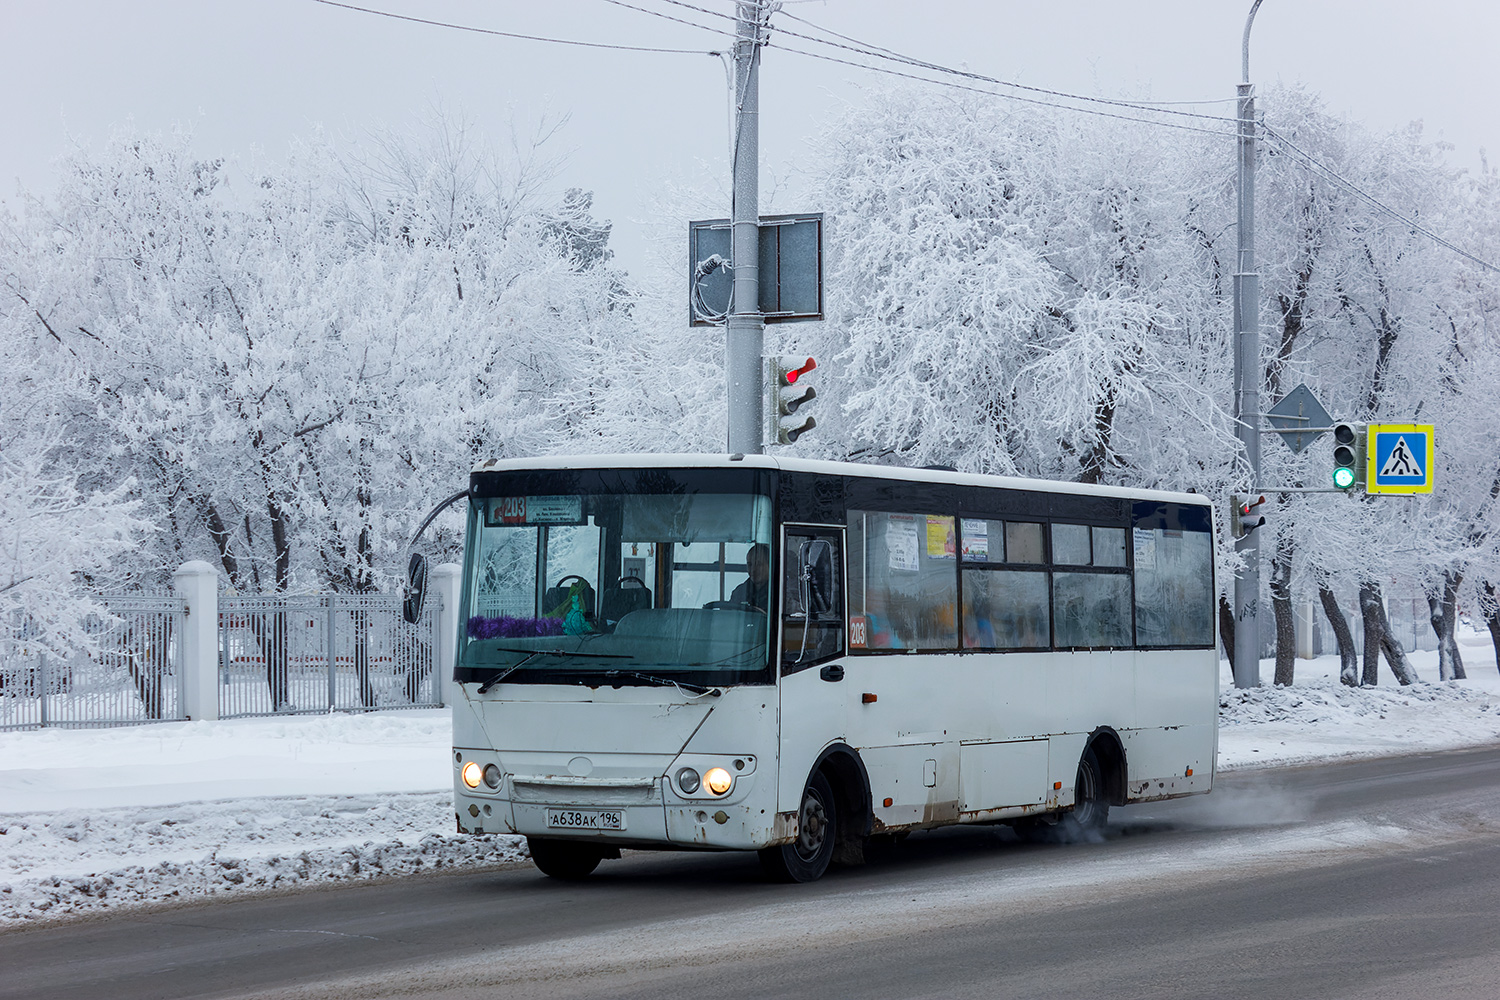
416 589
815 570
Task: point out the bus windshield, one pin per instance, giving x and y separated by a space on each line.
617 577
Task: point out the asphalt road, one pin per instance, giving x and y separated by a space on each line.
1361 880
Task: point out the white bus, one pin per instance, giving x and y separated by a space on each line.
791 657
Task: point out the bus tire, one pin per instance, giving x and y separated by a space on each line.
806 858
561 859
1090 812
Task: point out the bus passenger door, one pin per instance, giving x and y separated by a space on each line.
813 649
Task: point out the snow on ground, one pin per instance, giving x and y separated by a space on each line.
92 819
96 819
1317 718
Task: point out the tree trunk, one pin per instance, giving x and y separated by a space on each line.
1492 622
1489 606
219 532
280 543
1378 639
1348 657
1226 633
1369 605
1443 613
1286 622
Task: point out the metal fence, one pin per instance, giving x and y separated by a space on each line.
129 670
298 655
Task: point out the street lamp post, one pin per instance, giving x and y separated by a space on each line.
1247 377
744 330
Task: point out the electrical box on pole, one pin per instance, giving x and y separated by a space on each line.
790 276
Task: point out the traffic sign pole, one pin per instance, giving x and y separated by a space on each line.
1247 378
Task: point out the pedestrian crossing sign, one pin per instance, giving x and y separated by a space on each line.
1399 458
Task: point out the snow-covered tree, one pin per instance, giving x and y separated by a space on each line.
291 374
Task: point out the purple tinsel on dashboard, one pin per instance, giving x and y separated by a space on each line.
508 627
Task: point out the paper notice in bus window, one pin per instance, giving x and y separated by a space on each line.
940 541
976 543
1145 548
901 542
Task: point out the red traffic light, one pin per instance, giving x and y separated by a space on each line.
794 374
1242 519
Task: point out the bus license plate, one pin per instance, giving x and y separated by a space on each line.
586 819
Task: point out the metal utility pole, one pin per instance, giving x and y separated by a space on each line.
744 329
1247 379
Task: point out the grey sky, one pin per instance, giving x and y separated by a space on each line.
247 75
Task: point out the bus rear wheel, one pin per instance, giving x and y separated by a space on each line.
806 858
1090 806
563 860
1086 820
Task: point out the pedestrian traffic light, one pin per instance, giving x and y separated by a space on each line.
790 392
1349 455
1242 516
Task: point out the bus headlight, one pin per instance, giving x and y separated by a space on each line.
687 780
717 780
492 775
473 774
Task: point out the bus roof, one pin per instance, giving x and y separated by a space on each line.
694 461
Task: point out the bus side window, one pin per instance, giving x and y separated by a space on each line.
904 580
812 629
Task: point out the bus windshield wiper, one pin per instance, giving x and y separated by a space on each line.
532 654
663 681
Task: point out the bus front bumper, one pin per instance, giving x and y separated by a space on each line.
648 812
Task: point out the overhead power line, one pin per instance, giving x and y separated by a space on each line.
704 10
872 52
678 20
878 52
512 34
1222 133
1376 203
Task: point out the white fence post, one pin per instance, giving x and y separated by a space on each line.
197 583
444 581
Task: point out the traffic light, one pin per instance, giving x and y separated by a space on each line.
1242 516
789 394
1349 455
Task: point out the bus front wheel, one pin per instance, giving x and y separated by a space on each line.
806 858
564 860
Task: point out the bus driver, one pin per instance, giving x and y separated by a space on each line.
753 590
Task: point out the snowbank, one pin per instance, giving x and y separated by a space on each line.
1319 719
97 818
93 819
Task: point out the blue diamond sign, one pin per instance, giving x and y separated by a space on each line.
1399 458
